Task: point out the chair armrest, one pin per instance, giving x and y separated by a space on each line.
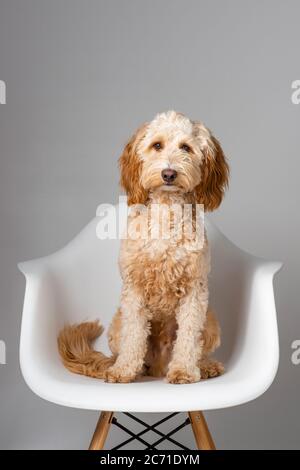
256 356
40 321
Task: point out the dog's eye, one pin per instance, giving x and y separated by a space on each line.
186 147
157 146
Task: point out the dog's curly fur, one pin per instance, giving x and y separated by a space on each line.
163 326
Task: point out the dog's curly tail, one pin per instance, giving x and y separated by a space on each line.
78 356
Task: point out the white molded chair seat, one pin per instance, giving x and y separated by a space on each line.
81 282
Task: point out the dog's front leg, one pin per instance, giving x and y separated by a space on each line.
133 339
184 365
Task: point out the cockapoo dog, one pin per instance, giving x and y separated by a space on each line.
164 327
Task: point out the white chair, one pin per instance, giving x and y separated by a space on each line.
81 281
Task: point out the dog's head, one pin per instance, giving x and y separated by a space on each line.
173 153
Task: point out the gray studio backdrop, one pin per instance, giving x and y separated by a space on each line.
80 77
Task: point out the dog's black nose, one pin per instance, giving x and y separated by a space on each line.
169 175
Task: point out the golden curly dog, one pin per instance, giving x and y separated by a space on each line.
163 326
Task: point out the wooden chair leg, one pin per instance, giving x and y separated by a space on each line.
202 435
101 430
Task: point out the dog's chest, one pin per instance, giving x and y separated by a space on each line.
162 272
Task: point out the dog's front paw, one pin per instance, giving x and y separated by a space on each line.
182 375
211 368
117 374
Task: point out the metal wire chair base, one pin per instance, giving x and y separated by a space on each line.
152 427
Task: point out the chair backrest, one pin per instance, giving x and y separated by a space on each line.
87 281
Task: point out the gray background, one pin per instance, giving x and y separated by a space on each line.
81 76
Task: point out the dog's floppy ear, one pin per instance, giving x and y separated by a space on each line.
214 170
131 167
